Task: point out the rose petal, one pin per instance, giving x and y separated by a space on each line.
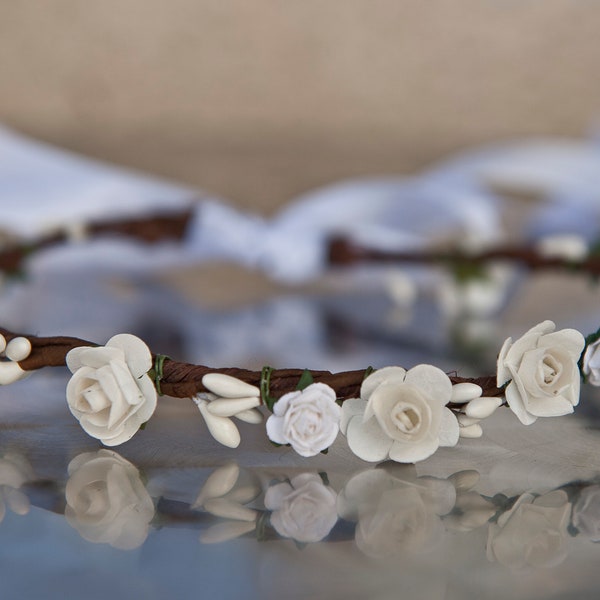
407 452
137 353
84 356
380 376
276 495
432 382
351 408
527 342
449 429
515 403
568 339
549 406
503 373
275 430
367 440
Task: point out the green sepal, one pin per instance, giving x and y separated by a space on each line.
305 380
324 478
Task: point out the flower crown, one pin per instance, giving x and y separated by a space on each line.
390 413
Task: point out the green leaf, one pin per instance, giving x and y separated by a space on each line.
305 380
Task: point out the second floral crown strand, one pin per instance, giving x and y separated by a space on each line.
388 413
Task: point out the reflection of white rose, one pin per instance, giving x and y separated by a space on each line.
303 509
591 363
532 533
401 414
110 393
396 513
107 501
543 368
586 513
309 420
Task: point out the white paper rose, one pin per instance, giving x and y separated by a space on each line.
110 392
532 533
542 370
303 509
591 363
309 420
401 415
106 500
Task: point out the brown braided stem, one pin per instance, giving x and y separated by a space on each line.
184 380
145 229
344 252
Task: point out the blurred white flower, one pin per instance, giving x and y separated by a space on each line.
396 512
532 533
106 500
303 509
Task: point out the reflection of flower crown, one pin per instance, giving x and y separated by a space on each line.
388 511
404 415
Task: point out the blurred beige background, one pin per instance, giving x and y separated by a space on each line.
260 100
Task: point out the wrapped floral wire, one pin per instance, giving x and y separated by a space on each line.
151 229
563 251
404 415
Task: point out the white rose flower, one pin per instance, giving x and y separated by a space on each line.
401 415
591 363
586 513
111 393
543 373
303 509
106 500
532 533
309 420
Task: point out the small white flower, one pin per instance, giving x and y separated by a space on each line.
106 500
591 363
303 509
111 393
542 370
532 533
309 420
401 415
